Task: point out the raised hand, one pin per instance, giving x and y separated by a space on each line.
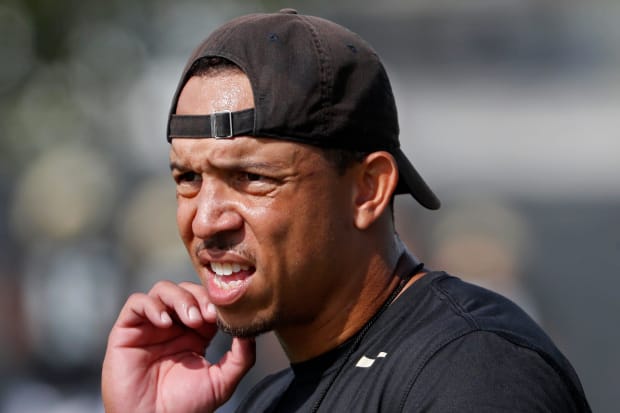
154 361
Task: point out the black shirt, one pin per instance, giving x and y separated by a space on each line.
443 346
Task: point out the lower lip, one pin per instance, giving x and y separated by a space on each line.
221 296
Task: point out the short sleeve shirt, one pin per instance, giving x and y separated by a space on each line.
443 346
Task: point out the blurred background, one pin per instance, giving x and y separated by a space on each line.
509 108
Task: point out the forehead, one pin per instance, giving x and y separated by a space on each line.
203 95
199 153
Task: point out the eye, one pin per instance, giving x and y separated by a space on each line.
186 177
187 183
255 183
252 177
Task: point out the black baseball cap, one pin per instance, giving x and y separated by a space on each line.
314 82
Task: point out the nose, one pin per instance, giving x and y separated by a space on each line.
217 218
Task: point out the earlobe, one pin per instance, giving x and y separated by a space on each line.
376 182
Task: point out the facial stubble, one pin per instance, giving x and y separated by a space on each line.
254 329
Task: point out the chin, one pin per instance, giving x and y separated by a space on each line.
247 330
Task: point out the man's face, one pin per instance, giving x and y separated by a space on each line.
266 222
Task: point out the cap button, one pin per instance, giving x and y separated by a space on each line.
289 11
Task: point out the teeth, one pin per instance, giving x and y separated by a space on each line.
227 268
227 285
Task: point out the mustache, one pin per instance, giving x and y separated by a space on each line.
219 245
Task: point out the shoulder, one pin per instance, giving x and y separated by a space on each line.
460 308
479 347
483 371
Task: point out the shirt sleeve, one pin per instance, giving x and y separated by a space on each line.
484 372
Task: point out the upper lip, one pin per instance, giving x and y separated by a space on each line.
205 258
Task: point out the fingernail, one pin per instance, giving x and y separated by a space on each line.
165 318
211 309
194 314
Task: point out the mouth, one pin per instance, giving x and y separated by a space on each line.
228 281
229 275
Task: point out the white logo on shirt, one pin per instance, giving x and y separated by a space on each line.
365 362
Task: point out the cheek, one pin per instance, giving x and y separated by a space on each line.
303 225
270 234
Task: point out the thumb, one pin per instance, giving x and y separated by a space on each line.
231 368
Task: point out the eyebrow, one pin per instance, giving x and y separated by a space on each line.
239 164
177 166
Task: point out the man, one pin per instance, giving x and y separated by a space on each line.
285 154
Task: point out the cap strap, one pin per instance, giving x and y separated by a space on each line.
219 125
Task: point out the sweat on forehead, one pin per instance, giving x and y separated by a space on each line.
225 91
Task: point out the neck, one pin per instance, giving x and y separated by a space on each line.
345 314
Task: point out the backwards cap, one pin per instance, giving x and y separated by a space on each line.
314 82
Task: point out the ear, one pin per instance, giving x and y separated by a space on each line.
375 183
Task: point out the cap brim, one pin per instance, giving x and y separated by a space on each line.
410 182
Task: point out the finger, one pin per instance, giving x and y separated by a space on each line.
229 371
179 301
243 352
208 312
139 308
207 309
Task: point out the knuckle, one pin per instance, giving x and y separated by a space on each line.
187 285
198 292
161 287
136 297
